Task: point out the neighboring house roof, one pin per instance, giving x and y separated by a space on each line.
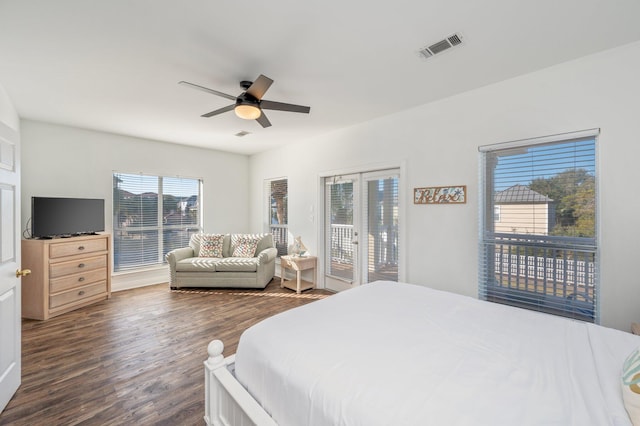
520 194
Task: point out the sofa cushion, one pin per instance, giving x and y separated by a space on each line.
194 243
244 245
211 245
226 246
266 241
237 264
197 264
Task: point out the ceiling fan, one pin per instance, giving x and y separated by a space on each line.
249 104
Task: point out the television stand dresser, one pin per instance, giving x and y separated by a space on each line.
66 274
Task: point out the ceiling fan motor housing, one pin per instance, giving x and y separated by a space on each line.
247 99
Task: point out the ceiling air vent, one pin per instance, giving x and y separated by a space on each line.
441 46
242 133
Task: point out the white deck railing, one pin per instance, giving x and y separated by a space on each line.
545 268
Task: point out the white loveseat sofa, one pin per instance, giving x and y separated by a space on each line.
188 269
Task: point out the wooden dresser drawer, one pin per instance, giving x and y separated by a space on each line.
77 266
77 247
76 280
77 294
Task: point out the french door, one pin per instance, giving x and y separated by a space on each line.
361 228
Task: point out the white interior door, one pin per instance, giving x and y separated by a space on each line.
341 232
10 297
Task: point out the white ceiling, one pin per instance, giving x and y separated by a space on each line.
114 65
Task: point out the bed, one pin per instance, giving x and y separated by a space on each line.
393 353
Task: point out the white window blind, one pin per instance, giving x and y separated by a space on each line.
277 200
340 228
152 215
538 225
381 216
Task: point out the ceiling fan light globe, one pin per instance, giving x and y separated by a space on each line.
248 112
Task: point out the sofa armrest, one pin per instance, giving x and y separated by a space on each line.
266 266
173 257
267 255
178 254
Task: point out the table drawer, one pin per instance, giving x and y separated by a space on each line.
77 266
77 294
77 280
299 263
77 247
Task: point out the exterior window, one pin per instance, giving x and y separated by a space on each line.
538 232
496 213
152 215
277 195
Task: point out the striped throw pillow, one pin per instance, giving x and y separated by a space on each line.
631 386
244 245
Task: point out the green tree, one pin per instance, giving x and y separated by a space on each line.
279 195
342 203
573 192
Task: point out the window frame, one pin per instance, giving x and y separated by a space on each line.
491 249
160 227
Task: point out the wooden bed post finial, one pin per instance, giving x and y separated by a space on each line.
214 350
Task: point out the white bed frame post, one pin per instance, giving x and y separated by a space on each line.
211 400
227 402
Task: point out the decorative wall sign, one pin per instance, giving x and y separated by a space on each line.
440 195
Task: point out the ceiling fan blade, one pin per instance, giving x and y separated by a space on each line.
263 120
281 106
219 111
259 87
206 89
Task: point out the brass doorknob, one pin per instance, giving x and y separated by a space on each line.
22 272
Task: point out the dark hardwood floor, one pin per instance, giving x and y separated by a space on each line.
136 358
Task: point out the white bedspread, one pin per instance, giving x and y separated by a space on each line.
400 354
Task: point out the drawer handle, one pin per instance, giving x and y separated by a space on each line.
81 248
81 265
81 293
81 279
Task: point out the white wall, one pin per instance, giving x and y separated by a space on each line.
60 161
438 143
8 114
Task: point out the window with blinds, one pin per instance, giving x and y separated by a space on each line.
152 215
277 196
538 242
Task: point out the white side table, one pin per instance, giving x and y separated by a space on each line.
298 264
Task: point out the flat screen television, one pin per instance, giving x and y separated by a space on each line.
59 217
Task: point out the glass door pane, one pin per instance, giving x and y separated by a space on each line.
381 218
341 232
